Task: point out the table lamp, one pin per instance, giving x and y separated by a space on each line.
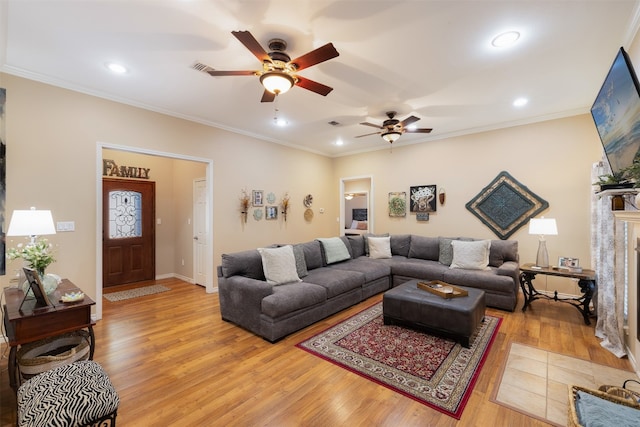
543 227
32 223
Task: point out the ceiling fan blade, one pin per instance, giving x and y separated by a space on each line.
268 96
372 125
231 73
252 44
367 134
409 120
316 87
419 130
321 54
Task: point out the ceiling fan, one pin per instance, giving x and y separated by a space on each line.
278 73
392 128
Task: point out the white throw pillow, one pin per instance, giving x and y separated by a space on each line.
354 224
471 255
279 265
379 247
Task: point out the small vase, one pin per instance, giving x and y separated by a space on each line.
49 282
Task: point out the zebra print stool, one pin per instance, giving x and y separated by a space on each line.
77 394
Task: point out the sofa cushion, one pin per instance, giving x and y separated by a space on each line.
312 254
502 251
470 255
287 299
245 263
372 269
334 249
357 246
445 255
301 264
417 268
400 244
487 280
279 265
424 248
335 281
366 241
379 247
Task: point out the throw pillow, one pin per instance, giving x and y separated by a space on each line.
334 249
379 247
354 224
279 265
446 251
366 240
470 255
301 263
362 225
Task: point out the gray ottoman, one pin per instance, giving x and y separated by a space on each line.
457 318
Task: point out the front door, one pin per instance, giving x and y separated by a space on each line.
128 231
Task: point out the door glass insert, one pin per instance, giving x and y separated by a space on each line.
125 214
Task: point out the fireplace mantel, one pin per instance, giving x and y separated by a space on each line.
628 216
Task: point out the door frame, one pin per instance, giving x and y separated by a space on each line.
369 191
208 221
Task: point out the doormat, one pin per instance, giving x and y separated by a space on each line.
135 293
434 371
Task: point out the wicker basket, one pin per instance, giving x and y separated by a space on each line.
622 392
574 421
40 356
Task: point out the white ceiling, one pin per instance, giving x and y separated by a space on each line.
431 59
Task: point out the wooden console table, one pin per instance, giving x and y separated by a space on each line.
31 324
586 281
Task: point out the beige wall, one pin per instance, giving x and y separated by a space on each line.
553 159
62 127
52 136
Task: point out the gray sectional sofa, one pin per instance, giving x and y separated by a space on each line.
327 286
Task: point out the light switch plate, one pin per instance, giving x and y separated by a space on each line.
63 226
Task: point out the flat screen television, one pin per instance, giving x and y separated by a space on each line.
616 113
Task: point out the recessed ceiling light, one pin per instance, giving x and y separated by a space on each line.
339 142
520 102
505 39
281 122
116 68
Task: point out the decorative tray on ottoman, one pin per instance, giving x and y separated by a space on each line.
442 289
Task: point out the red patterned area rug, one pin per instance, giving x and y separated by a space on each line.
437 372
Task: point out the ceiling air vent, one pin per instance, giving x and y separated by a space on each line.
199 66
334 123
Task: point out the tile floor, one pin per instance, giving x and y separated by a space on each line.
536 381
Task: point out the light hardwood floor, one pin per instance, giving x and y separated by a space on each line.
174 361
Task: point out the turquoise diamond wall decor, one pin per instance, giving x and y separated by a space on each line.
505 205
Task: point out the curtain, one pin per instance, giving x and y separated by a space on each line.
608 250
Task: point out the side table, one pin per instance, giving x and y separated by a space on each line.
586 282
28 324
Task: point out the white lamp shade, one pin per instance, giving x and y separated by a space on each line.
276 82
391 137
543 226
31 223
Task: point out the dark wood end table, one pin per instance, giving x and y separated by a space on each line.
586 282
30 323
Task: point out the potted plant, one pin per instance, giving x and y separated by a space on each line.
620 179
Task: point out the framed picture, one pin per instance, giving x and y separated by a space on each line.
422 216
36 287
257 198
271 212
568 262
398 204
423 198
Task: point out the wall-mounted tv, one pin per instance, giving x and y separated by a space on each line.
616 113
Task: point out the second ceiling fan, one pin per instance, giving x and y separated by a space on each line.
279 71
392 128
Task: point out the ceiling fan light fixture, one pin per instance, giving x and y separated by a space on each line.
391 136
277 82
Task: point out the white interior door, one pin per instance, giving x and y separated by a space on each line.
200 231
